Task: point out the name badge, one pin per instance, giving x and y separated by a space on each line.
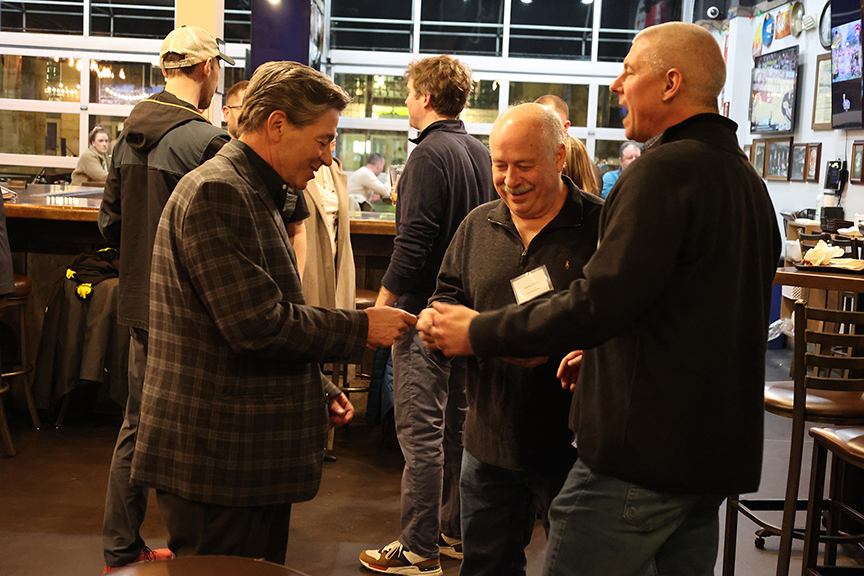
531 284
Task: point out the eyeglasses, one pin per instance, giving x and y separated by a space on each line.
233 107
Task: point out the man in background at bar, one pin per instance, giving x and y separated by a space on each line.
235 408
233 105
518 448
672 315
364 185
629 152
447 175
164 138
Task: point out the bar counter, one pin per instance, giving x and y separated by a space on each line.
50 225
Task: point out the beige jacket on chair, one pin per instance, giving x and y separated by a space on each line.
328 282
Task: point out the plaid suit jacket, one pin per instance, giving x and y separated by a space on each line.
233 411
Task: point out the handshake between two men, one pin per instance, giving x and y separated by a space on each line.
445 327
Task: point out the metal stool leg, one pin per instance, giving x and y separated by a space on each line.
25 365
4 425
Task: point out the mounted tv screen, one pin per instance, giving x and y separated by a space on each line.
846 64
773 88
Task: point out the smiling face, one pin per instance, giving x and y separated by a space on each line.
298 152
100 142
631 153
640 91
526 173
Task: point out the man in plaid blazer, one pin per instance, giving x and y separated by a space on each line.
234 415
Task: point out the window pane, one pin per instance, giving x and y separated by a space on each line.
123 82
238 21
489 11
375 96
141 19
45 134
388 36
531 36
482 104
626 18
610 114
606 154
232 76
576 97
36 78
376 31
449 38
353 146
64 17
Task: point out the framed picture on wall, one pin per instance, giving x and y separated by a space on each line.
822 95
798 163
814 156
778 152
758 156
856 171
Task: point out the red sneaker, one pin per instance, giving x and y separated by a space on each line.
147 555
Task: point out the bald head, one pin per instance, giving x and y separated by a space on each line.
558 105
542 124
527 146
693 51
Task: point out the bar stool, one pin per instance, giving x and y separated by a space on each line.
19 299
364 299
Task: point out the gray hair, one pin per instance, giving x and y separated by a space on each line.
301 92
626 145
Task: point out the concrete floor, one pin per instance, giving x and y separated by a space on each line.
52 496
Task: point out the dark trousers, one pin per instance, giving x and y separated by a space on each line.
198 529
126 503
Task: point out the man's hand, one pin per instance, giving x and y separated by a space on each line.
568 371
450 329
424 327
527 362
341 411
374 197
386 324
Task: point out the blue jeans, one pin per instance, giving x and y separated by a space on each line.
603 526
429 410
498 511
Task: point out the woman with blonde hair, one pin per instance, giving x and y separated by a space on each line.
579 168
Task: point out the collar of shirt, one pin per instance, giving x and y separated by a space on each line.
454 125
274 183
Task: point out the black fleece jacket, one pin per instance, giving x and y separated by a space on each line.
164 139
673 314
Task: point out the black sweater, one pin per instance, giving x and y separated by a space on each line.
674 308
517 417
448 174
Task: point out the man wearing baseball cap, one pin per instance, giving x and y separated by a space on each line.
164 138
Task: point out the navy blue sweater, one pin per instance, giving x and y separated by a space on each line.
448 174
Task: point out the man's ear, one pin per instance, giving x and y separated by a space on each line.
673 82
426 99
276 125
560 157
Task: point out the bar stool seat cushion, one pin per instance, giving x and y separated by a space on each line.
365 299
821 404
847 442
23 287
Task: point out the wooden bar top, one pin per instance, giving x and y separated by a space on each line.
81 204
839 281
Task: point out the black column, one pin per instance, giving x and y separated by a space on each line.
280 31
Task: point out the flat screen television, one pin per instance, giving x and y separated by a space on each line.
773 90
846 64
